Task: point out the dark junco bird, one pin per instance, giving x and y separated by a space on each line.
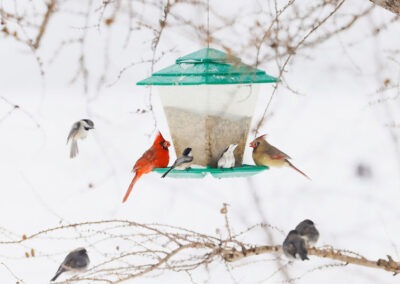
227 159
76 260
308 232
79 130
181 162
294 246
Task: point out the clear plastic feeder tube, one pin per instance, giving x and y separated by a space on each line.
208 118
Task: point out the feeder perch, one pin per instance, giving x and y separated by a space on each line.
209 98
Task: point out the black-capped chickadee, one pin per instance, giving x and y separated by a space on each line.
227 159
294 246
308 232
181 162
76 261
79 130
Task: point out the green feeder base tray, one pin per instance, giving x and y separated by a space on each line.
243 171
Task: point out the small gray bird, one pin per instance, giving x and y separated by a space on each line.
294 246
79 130
308 232
77 260
181 162
227 159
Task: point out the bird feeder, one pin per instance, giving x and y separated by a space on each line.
209 98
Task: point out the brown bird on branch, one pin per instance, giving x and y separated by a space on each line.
264 154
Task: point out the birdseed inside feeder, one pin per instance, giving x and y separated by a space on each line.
209 99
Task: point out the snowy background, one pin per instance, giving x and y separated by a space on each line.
334 125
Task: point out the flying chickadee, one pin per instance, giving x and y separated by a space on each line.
294 246
227 159
77 260
308 232
181 162
79 130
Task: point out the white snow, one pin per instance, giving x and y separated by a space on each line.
327 131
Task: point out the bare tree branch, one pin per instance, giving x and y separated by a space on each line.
131 250
50 10
335 254
390 5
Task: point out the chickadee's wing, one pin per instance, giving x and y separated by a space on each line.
74 130
223 153
183 160
178 162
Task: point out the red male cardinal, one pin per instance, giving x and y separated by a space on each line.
264 154
155 157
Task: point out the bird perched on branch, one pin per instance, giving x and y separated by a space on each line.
77 260
181 162
227 159
308 232
264 154
79 130
294 246
157 156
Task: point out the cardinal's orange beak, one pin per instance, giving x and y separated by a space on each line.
252 145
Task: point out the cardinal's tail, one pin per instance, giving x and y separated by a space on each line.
134 180
74 149
296 169
167 172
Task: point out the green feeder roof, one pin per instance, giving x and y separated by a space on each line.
242 171
208 66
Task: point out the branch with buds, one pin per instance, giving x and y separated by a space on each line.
130 250
392 6
345 256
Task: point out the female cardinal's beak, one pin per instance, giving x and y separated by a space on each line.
252 144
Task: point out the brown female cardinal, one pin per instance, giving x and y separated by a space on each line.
264 154
157 156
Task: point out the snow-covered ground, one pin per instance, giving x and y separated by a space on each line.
330 130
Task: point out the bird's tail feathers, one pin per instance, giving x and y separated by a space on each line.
167 172
134 180
303 255
74 149
296 169
58 273
302 251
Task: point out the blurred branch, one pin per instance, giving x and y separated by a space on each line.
131 250
269 234
16 107
390 5
292 52
335 254
276 30
18 279
50 10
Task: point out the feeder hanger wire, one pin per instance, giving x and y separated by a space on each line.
208 24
